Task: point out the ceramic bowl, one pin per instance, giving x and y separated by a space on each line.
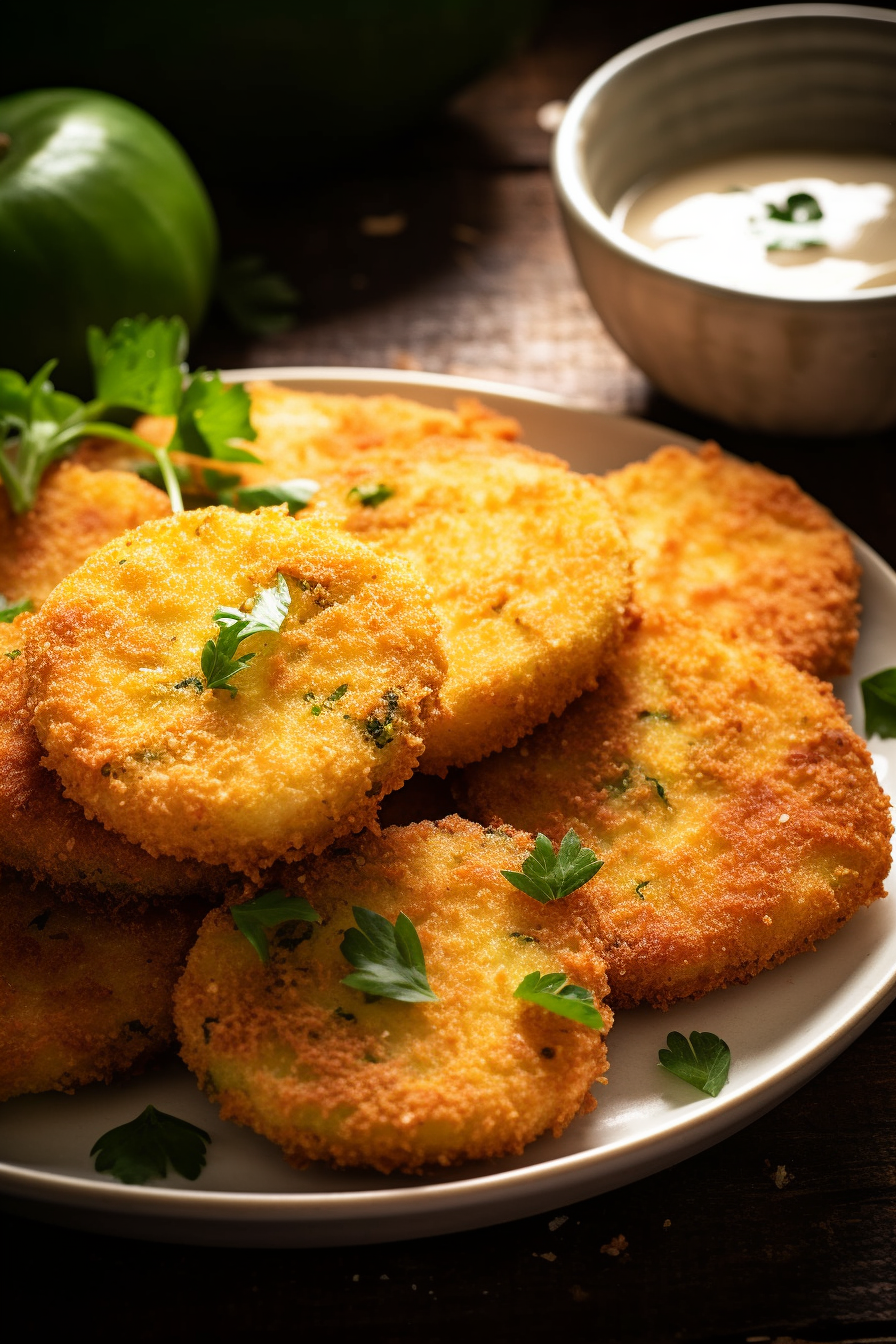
786 77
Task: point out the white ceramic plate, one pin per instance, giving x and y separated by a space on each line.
782 1028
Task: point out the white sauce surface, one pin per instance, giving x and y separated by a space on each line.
712 223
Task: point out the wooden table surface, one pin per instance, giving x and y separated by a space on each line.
477 280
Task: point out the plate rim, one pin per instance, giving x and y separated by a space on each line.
687 1132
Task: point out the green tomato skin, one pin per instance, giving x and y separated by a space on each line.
102 216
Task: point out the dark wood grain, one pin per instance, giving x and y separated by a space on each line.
480 283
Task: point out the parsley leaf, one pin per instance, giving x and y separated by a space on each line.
801 208
371 494
295 494
552 992
10 610
210 416
12 654
268 911
703 1061
142 1149
259 301
388 958
547 876
382 730
266 617
138 365
879 695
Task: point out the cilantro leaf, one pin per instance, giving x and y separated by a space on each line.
138 365
296 494
266 617
552 992
142 1149
879 695
547 876
371 494
210 417
703 1061
268 911
10 610
388 958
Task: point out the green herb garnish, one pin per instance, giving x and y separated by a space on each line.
547 876
266 617
639 888
137 368
10 610
801 208
295 495
703 1061
268 911
371 494
12 654
879 695
382 729
660 791
553 992
143 1148
388 958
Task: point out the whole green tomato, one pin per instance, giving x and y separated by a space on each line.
102 216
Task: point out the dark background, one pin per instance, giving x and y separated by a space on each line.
478 282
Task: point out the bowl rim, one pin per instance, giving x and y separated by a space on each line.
576 196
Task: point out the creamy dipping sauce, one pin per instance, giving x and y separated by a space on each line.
792 225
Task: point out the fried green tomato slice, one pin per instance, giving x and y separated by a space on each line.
83 997
329 1073
745 551
737 813
44 833
309 434
327 716
529 571
76 512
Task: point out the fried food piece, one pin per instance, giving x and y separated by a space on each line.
44 833
745 551
737 813
83 997
310 434
327 717
529 571
76 512
327 1073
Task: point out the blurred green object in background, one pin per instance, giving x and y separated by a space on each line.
255 86
101 214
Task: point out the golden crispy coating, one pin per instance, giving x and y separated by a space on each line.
76 512
737 813
529 572
744 550
44 833
83 997
309 434
328 716
324 1072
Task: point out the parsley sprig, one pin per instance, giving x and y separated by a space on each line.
547 876
219 662
879 695
269 911
557 996
703 1061
371 494
10 610
142 1149
138 368
388 958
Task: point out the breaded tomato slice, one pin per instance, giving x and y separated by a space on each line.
76 512
45 833
83 997
329 1073
743 550
737 813
308 434
529 571
327 716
